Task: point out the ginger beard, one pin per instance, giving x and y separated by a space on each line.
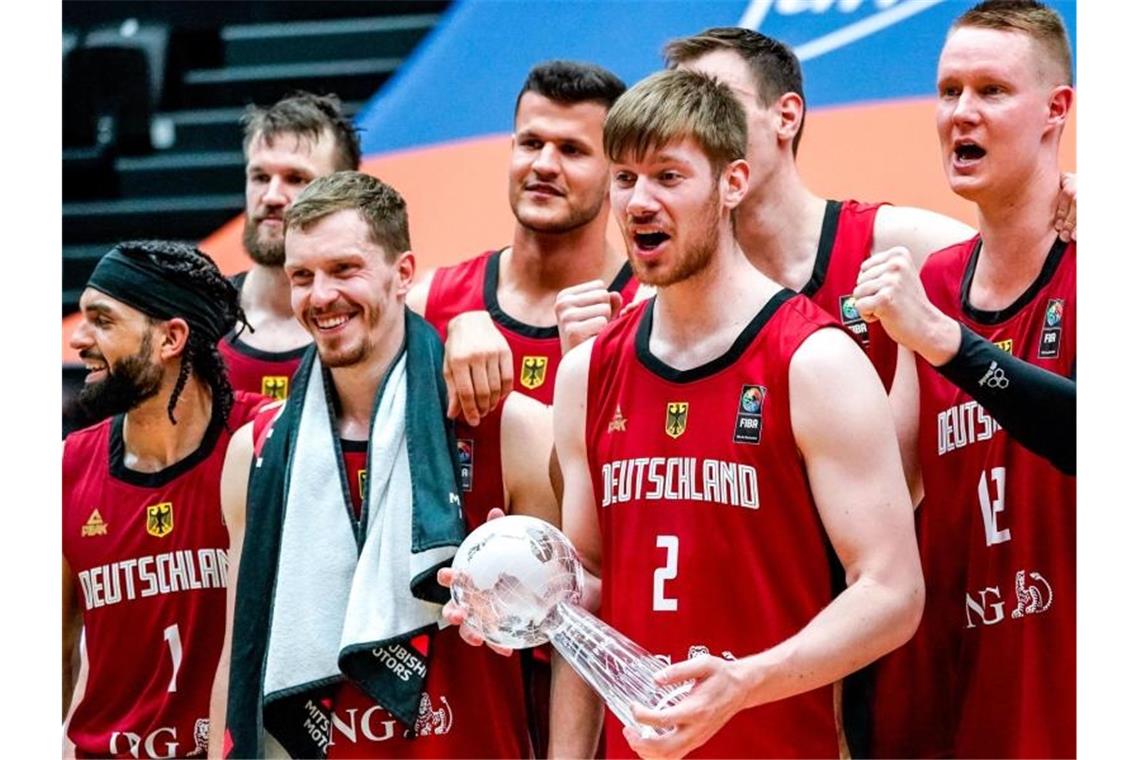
268 252
694 250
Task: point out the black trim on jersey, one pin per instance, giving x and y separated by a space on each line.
238 281
1052 261
826 244
491 299
742 342
118 448
353 447
256 353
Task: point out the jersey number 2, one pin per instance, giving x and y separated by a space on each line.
662 603
174 641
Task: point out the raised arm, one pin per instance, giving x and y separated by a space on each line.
235 483
575 710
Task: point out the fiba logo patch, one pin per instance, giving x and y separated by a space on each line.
1050 345
852 321
749 414
465 452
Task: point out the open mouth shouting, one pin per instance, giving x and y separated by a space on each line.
967 154
646 242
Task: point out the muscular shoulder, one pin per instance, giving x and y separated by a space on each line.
918 230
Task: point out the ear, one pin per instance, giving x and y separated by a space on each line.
734 183
789 109
405 266
174 335
1060 104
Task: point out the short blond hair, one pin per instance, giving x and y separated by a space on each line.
671 105
1038 21
380 206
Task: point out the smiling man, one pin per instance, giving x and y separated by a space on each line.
713 512
287 145
144 548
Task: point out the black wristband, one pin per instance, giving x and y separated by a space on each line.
1035 406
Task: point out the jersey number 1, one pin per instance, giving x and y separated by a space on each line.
662 603
174 641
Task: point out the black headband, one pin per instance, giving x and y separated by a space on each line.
143 285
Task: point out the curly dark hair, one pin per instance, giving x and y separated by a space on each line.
185 264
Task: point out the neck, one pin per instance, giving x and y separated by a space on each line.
778 227
1017 233
543 263
151 442
266 290
697 319
356 385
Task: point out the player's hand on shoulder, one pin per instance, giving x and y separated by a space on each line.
582 311
477 366
1065 216
719 691
454 614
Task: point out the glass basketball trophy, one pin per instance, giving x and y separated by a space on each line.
518 580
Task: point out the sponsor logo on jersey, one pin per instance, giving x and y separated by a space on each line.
617 422
432 720
202 735
1005 345
1050 345
160 743
160 519
95 526
533 371
466 450
852 321
676 418
698 650
275 386
1032 593
749 414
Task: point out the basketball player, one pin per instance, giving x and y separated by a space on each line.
558 188
144 548
287 145
704 480
559 193
349 267
807 243
992 670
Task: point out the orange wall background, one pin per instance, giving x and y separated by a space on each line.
457 192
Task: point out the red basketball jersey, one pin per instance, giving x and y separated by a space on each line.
473 286
266 372
997 533
712 542
148 557
844 244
